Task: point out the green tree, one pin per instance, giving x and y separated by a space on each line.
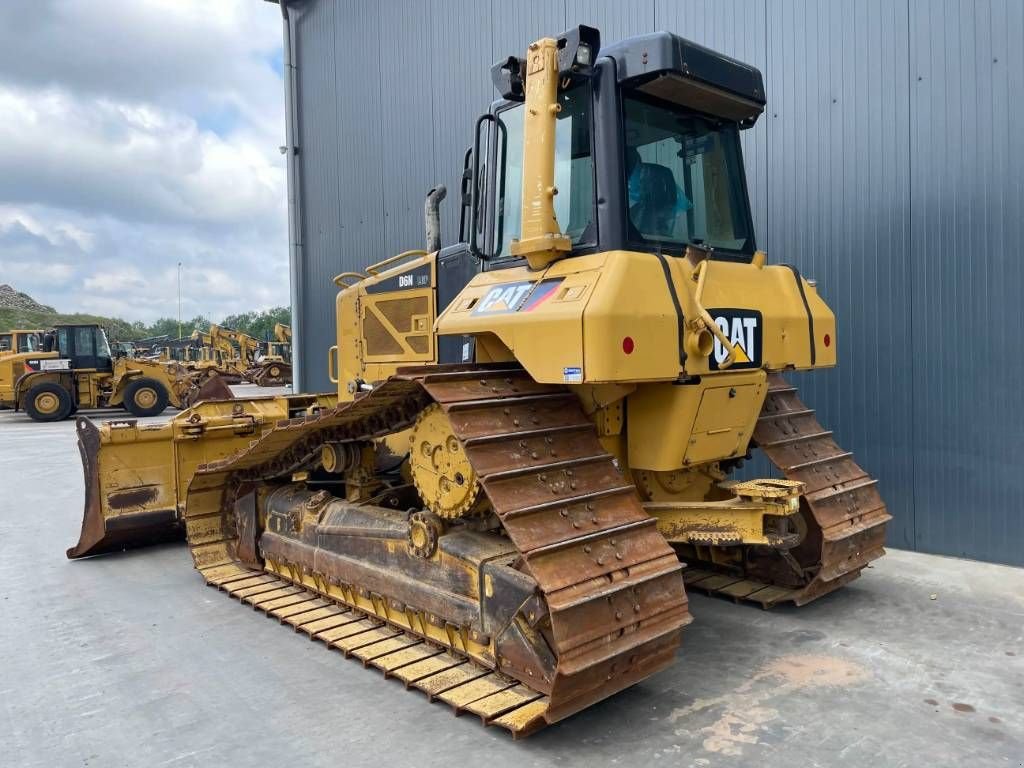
259 325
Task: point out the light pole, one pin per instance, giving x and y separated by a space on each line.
179 301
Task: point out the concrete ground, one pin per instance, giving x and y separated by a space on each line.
129 660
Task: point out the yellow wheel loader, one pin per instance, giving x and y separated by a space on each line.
272 365
16 342
74 369
535 428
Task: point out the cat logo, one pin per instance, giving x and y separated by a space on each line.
743 329
516 297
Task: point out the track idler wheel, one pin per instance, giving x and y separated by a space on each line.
441 471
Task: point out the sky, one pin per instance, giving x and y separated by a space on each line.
136 134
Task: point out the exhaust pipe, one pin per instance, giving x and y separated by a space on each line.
432 217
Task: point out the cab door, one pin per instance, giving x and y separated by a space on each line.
86 348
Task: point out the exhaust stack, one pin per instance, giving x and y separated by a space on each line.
432 217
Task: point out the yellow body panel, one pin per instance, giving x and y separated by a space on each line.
612 317
12 367
385 321
710 420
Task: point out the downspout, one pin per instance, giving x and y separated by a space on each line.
296 256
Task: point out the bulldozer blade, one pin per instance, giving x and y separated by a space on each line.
119 520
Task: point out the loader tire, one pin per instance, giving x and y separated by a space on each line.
145 397
48 402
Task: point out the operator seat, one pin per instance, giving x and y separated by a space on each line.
653 187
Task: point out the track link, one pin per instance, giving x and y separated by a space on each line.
612 599
845 514
454 679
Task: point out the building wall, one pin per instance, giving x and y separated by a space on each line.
888 166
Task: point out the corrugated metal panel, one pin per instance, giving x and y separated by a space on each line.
317 140
967 205
408 91
838 191
615 19
737 29
888 166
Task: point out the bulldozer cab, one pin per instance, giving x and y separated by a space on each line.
647 151
646 158
84 346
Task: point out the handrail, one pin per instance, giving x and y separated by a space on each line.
339 280
374 269
332 364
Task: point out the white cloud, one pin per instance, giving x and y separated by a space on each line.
136 136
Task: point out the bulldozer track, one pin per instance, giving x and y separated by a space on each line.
848 514
609 583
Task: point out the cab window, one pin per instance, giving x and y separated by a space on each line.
684 178
574 171
84 342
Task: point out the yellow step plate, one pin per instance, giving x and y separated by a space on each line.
742 588
502 702
368 653
769 596
418 670
373 635
450 678
465 694
265 597
308 603
307 606
329 622
257 589
390 662
246 581
524 720
716 582
352 628
218 574
691 575
299 619
285 602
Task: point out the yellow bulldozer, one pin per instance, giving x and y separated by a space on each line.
534 429
73 368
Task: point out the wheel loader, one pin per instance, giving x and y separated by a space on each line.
533 429
272 364
19 341
73 369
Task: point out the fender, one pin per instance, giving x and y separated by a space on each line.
29 379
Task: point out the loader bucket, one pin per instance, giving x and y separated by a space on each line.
213 388
118 514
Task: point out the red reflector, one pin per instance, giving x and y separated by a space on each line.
828 340
627 345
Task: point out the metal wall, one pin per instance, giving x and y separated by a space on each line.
888 166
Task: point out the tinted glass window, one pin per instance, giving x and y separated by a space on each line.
29 343
84 345
574 170
684 178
